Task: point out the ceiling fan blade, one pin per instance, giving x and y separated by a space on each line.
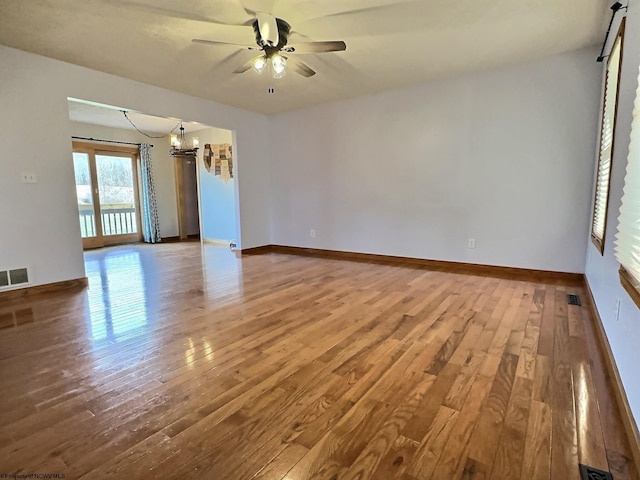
225 44
300 67
174 13
268 28
265 6
317 47
243 68
376 10
253 13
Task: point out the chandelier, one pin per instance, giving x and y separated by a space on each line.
180 147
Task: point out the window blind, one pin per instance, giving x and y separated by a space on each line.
627 242
610 106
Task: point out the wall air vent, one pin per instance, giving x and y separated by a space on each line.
590 473
19 276
4 279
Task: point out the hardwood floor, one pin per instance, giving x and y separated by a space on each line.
186 362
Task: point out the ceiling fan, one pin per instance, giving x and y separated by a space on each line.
272 35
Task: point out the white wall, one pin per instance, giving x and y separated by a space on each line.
39 226
163 172
503 156
602 270
218 200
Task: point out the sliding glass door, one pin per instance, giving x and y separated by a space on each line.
107 191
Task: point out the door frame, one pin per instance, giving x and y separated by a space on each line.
92 150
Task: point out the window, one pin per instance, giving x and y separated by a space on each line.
607 130
628 236
107 192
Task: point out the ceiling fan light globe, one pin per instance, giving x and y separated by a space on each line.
279 64
259 64
281 74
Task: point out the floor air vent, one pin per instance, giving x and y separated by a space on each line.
590 473
573 300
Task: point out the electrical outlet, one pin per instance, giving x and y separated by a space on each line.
312 233
617 309
471 243
29 177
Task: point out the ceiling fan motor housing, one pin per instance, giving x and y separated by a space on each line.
283 34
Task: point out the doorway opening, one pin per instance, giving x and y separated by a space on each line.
196 197
187 197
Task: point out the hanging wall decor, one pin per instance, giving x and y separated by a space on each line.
208 155
218 160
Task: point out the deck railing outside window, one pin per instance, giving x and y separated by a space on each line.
115 221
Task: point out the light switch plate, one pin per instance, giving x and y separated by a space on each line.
29 177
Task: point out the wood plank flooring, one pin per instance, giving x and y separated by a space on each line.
182 361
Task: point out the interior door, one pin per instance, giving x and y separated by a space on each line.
107 191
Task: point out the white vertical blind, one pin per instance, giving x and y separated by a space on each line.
628 236
606 143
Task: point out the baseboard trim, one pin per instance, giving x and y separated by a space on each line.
513 273
75 284
191 238
630 426
257 250
170 239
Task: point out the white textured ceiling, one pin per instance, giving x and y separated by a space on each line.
390 43
83 111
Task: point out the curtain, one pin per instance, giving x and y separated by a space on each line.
628 237
150 222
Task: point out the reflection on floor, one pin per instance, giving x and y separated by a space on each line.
183 361
117 294
128 287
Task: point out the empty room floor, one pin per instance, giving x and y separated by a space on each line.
182 361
